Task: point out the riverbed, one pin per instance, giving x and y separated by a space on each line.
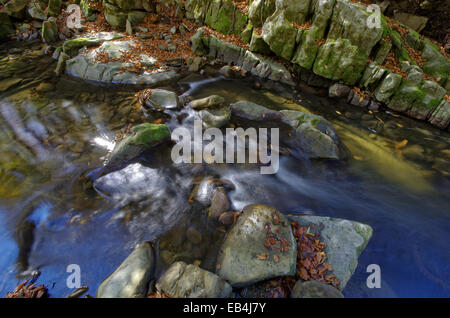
55 131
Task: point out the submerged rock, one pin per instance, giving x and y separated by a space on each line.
244 259
189 281
216 118
210 101
139 139
131 278
344 242
314 289
160 99
219 203
313 135
253 112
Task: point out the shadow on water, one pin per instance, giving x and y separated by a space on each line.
54 131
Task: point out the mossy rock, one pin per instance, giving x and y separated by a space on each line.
340 60
54 7
280 35
225 17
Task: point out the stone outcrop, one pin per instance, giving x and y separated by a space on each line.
339 41
87 65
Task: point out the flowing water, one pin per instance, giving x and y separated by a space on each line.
56 132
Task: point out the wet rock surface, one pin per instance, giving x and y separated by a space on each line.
189 281
131 278
344 241
243 259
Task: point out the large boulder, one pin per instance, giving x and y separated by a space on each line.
225 17
387 87
131 278
15 8
117 12
71 47
313 135
344 242
349 43
36 9
139 139
314 289
250 111
259 11
280 35
246 257
189 281
86 65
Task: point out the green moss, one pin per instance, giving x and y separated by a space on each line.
149 134
224 17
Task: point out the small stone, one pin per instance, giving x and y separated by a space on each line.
128 27
219 203
173 30
44 87
210 101
227 218
193 235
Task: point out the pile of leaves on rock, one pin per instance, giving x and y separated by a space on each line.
28 289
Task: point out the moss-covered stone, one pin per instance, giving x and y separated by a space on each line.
50 30
372 75
225 17
382 51
15 8
387 87
114 16
246 35
54 7
340 60
435 63
36 9
280 35
307 49
258 45
260 10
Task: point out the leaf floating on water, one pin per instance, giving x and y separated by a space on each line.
359 158
401 144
